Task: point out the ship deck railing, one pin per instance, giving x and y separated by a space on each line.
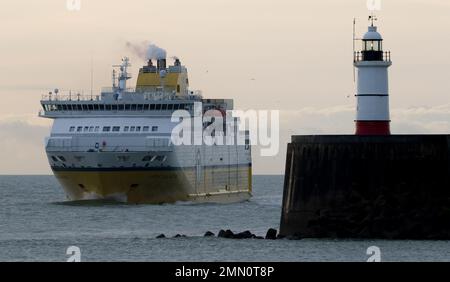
70 97
360 56
152 96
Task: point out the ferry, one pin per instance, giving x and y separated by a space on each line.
118 145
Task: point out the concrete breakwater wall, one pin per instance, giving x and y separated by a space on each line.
393 187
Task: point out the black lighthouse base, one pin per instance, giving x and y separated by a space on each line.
387 187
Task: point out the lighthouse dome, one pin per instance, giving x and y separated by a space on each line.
372 34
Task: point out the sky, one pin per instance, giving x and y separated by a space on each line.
287 55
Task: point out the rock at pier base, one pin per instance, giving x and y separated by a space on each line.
271 234
244 235
226 234
209 234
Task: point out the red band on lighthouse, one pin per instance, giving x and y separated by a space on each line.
373 128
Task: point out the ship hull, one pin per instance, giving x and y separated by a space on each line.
150 186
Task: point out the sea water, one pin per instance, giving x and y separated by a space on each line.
38 224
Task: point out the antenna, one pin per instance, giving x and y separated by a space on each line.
355 55
354 49
372 18
92 76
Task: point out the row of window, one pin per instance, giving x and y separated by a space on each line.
86 129
116 107
148 158
372 45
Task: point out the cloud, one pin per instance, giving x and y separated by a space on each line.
22 136
27 119
340 120
422 120
22 146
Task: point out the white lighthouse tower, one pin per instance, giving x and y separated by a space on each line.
372 96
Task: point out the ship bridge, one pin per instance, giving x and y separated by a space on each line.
159 91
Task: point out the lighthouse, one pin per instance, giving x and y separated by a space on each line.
372 63
371 164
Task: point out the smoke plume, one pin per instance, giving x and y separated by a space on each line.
146 50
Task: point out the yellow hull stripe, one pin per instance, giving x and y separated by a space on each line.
158 186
